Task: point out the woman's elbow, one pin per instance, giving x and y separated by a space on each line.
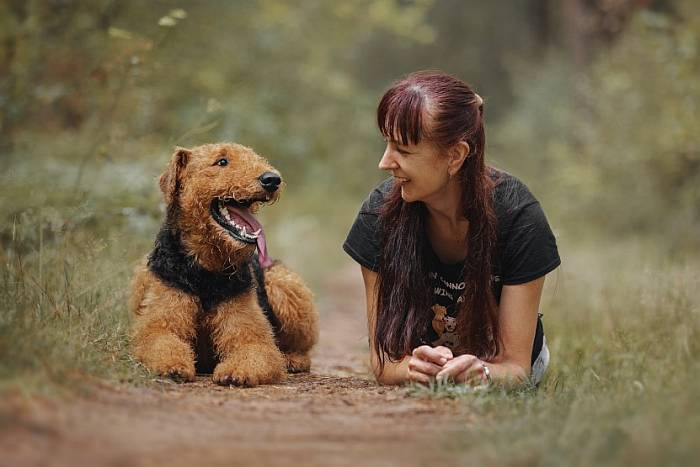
380 373
517 374
521 373
385 379
512 371
389 374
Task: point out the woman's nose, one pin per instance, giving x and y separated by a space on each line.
388 162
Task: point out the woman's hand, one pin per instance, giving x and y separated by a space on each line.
464 369
426 362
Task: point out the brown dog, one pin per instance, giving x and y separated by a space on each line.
208 298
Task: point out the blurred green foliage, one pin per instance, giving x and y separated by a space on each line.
615 149
609 145
296 80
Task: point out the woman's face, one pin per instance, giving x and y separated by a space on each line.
419 168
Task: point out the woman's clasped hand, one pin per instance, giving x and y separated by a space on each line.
439 364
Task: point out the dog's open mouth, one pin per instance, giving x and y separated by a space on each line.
236 218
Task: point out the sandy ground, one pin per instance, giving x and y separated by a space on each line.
336 415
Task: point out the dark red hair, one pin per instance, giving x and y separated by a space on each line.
444 111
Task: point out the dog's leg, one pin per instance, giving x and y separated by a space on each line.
292 302
245 344
164 326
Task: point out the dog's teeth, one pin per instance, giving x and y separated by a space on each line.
257 232
224 212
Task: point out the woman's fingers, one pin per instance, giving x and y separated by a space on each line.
418 377
428 362
458 368
422 366
445 351
430 354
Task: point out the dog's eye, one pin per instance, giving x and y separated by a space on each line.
222 162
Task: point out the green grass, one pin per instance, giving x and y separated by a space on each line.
63 297
622 388
67 253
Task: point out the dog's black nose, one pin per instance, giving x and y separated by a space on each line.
270 181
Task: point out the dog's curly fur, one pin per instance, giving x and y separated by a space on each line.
202 301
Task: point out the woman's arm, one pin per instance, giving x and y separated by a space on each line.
425 361
517 322
393 372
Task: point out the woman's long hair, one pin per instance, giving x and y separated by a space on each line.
444 111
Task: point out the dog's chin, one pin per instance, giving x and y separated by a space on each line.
236 251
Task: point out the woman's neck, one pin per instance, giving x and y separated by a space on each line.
447 227
445 208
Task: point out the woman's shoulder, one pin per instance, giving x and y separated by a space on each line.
510 193
527 245
362 242
373 203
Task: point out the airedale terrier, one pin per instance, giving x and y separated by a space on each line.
208 298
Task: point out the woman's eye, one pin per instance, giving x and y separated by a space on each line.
222 162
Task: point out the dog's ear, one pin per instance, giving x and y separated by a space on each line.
171 179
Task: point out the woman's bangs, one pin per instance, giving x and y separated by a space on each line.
399 116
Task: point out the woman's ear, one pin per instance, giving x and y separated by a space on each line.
171 180
458 155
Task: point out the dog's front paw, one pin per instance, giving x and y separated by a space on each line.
180 373
168 356
298 363
179 370
250 369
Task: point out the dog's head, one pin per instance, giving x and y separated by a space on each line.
450 323
215 189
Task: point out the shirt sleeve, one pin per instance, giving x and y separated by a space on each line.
530 248
362 242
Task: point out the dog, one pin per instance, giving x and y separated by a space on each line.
208 299
439 318
445 327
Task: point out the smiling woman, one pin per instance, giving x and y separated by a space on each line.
453 252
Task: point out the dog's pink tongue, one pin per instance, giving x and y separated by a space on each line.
265 261
253 225
243 216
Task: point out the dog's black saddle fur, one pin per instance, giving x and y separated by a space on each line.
175 267
170 263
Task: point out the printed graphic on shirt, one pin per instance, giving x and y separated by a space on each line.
451 291
439 319
445 327
446 295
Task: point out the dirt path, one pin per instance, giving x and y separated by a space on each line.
334 416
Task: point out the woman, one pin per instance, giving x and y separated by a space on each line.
454 253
